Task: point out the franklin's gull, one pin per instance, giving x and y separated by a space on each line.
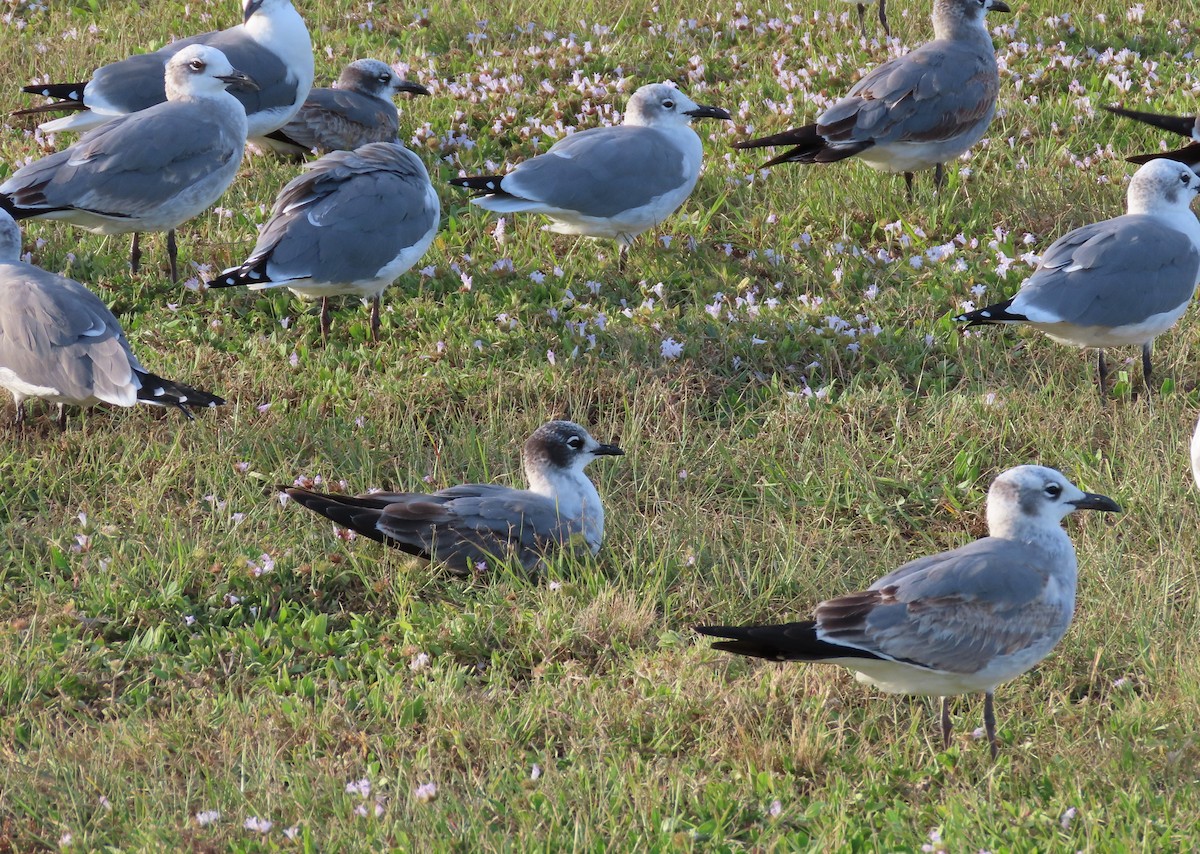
465 527
958 622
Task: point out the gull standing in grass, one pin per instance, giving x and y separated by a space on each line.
60 343
958 622
271 45
1118 282
465 527
358 110
609 182
148 171
350 224
1185 126
914 112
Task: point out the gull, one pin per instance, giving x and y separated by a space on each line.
466 526
609 182
357 111
915 111
1118 282
958 622
350 224
271 45
148 171
1186 126
60 343
862 17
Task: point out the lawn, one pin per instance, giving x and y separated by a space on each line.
186 663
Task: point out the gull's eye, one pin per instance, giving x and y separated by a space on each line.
1053 490
669 104
196 65
575 442
384 78
1186 179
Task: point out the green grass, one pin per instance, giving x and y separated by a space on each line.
147 674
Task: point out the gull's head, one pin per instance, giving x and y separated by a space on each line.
202 70
376 79
10 238
663 104
951 16
1162 185
1029 498
561 447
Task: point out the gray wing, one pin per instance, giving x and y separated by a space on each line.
474 523
954 611
347 217
56 333
1096 275
338 119
938 91
136 83
600 172
132 165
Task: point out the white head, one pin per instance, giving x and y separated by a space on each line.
954 18
661 104
199 71
1025 501
10 238
561 450
1162 185
376 79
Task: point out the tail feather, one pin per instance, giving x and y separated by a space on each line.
250 273
784 642
1188 126
72 92
481 183
810 147
357 513
160 392
1189 155
997 313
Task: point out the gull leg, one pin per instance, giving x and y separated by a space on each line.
19 418
1101 370
989 723
1147 351
324 319
862 19
908 183
946 725
62 418
939 175
173 255
622 251
887 31
135 253
375 319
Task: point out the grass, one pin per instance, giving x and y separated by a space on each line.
148 674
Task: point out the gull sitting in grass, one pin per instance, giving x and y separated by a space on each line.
1118 282
1185 126
358 110
958 622
609 182
271 45
350 224
914 112
60 343
466 527
147 171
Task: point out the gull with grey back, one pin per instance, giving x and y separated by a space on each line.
1185 126
148 171
913 112
358 110
468 528
1118 282
613 182
271 45
958 622
60 343
350 224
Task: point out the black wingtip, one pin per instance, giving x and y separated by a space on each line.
1188 126
236 277
160 392
480 183
988 315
